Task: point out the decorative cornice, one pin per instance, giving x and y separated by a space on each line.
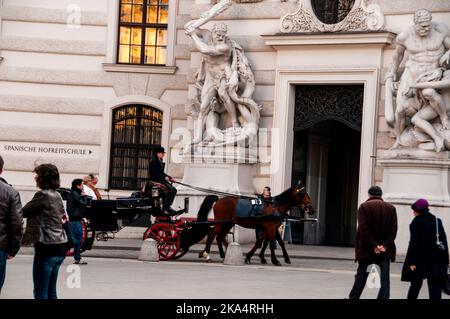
360 18
239 1
344 38
129 68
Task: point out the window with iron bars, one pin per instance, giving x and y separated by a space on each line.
143 32
136 132
332 11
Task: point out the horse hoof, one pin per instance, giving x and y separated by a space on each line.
247 261
209 260
263 261
276 263
287 261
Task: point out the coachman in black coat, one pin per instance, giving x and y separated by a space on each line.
423 258
157 175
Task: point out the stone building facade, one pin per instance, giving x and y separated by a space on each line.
62 78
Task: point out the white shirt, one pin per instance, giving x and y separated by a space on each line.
89 192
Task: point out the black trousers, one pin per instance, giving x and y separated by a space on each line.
171 193
434 288
364 268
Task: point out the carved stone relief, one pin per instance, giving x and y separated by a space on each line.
361 17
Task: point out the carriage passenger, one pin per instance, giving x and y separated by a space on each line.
88 187
93 186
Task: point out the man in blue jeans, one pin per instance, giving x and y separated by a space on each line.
10 224
76 207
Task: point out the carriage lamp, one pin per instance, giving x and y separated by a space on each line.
155 192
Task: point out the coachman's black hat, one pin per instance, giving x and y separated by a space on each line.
160 150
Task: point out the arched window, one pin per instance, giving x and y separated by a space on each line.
136 131
143 32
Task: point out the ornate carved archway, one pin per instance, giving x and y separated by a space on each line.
317 103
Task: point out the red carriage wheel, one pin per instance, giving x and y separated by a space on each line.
71 251
167 240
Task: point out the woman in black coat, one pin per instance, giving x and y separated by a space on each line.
424 259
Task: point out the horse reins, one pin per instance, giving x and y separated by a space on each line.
221 193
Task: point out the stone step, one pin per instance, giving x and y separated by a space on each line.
58 16
59 46
55 105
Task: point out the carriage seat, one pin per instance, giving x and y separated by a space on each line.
102 215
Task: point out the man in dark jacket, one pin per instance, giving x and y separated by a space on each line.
76 208
10 224
377 229
157 175
424 259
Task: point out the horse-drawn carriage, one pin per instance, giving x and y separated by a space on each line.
104 218
173 235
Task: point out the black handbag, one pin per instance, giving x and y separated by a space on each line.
446 286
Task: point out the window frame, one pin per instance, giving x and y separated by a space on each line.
137 147
143 26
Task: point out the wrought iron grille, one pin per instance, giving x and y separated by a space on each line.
332 11
136 132
317 103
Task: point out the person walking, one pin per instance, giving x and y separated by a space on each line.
10 224
377 229
76 209
45 215
266 195
427 256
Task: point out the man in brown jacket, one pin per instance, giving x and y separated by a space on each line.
377 229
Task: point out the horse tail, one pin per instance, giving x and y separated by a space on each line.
205 207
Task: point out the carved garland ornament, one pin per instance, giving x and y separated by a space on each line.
360 18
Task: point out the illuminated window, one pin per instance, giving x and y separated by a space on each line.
136 131
143 32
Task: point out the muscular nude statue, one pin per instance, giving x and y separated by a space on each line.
427 44
216 49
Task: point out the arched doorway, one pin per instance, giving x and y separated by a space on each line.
327 145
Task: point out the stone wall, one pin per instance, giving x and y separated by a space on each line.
55 90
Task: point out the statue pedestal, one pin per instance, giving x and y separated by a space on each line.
407 179
229 171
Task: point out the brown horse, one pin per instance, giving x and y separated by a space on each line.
227 213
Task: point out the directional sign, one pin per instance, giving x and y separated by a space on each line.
58 150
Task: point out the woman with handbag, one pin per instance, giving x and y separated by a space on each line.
45 214
427 255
